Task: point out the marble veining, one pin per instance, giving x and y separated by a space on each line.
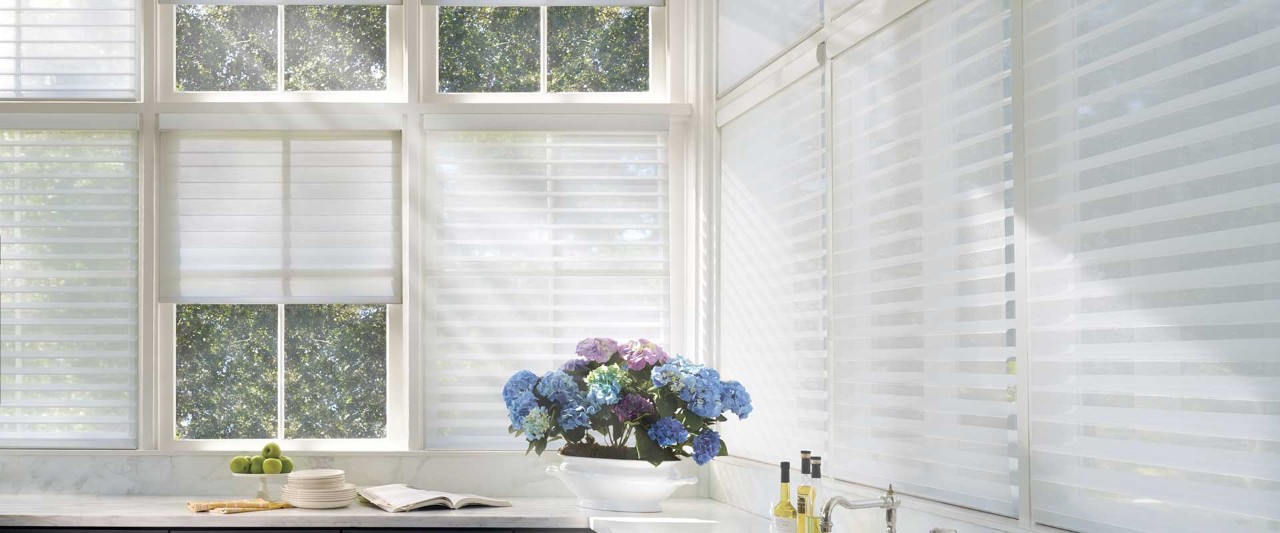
499 474
693 515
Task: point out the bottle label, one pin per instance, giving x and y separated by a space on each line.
783 525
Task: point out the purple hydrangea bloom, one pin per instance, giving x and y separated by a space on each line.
575 365
734 397
642 353
598 349
668 432
705 447
632 407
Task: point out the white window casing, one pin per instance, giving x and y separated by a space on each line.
71 50
535 238
68 281
752 33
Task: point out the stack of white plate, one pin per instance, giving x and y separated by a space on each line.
319 489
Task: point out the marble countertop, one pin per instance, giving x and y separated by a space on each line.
692 515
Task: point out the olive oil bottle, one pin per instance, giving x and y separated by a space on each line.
784 514
803 494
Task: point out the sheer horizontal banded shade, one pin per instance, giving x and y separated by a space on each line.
68 288
285 2
279 217
535 240
751 33
773 196
68 49
923 322
1153 174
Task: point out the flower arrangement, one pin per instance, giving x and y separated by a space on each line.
626 392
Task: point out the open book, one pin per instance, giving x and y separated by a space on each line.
400 497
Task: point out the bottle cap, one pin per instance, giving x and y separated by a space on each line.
817 468
804 462
786 471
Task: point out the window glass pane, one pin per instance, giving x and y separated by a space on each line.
335 48
594 49
335 371
226 48
226 371
489 49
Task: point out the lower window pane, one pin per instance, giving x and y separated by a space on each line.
489 49
335 371
226 48
226 371
335 48
598 49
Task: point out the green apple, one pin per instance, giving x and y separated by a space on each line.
256 467
272 466
286 465
240 464
271 451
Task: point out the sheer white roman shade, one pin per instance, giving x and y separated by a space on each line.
923 313
1153 175
773 243
279 217
68 281
536 239
751 33
68 49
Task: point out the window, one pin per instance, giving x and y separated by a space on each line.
923 328
68 281
335 46
1153 179
281 251
537 239
69 49
559 49
240 377
773 242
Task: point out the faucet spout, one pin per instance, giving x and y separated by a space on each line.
889 502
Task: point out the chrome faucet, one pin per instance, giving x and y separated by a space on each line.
889 502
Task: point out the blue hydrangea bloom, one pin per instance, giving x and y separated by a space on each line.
522 381
666 374
668 432
518 408
574 415
734 397
536 423
558 387
604 385
701 393
706 446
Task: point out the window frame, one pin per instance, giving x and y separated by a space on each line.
167 54
659 80
166 420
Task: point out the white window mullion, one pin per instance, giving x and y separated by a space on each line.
280 48
281 324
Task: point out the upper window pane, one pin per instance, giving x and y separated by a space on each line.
68 49
239 48
500 49
489 49
598 49
335 48
226 48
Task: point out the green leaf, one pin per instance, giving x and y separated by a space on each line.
665 404
649 450
530 448
541 446
511 430
575 435
721 418
724 449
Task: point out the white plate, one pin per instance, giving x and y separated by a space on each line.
317 474
301 504
334 488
